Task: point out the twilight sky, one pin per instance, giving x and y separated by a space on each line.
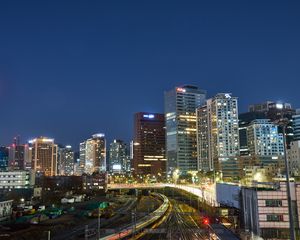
69 69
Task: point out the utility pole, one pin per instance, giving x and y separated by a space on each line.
283 123
287 175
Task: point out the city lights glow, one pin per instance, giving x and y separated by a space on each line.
279 105
148 116
182 90
98 135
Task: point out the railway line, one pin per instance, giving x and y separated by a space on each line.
146 221
179 224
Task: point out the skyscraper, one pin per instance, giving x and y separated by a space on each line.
275 111
93 154
117 156
244 121
218 134
264 139
44 156
19 155
66 161
180 116
4 152
149 143
294 158
296 125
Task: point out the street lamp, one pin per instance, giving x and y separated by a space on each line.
283 122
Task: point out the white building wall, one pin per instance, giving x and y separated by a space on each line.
16 179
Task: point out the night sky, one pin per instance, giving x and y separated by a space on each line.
69 69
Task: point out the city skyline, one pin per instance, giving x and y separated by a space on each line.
149 119
64 61
110 138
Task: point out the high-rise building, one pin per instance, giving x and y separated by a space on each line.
149 143
218 134
93 154
263 144
4 153
130 157
77 169
275 111
294 158
66 161
244 121
296 125
264 139
19 156
82 167
117 156
44 156
180 117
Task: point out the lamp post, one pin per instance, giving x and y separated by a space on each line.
283 123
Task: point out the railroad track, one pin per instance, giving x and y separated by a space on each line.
141 223
73 233
178 225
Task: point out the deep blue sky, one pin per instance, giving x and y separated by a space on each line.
72 68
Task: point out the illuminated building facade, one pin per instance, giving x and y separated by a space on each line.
118 156
294 158
203 144
19 156
4 153
44 156
66 161
149 144
244 121
275 111
180 117
93 154
218 135
296 125
16 179
263 139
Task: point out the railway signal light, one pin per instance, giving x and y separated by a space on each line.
206 221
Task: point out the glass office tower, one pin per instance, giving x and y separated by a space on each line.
117 156
180 116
